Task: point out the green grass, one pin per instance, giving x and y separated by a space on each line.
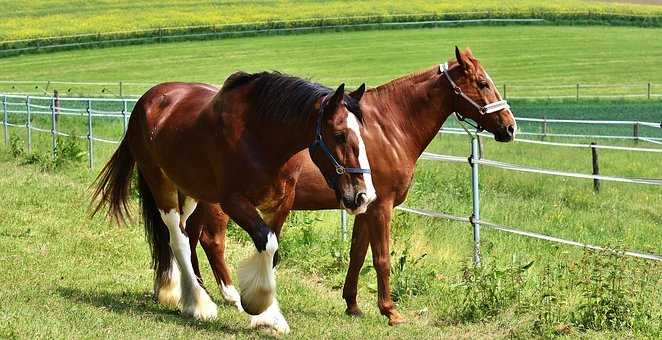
67 275
540 55
32 19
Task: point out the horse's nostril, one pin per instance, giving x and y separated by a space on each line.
511 130
360 198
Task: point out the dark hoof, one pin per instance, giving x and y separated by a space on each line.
395 319
355 312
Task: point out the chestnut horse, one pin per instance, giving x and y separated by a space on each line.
193 143
400 119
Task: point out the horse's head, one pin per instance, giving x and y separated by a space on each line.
476 97
339 151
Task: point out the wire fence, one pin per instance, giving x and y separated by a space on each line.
26 112
474 219
512 91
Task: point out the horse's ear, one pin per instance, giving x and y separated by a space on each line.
332 102
462 59
338 95
358 93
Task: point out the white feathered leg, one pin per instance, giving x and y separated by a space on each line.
273 318
257 282
194 299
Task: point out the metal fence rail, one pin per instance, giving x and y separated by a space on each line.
511 91
476 222
55 109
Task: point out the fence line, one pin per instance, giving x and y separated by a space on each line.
569 135
523 91
474 160
507 229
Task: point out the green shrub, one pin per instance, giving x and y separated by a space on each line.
489 289
611 292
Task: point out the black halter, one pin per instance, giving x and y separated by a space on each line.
319 142
483 110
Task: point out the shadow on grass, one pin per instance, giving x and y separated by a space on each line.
134 303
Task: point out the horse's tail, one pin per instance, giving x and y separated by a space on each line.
156 232
111 188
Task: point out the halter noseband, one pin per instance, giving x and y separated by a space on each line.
483 110
319 142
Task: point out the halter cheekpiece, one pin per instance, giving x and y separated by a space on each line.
483 110
319 142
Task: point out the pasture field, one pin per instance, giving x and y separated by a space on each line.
22 19
67 275
514 55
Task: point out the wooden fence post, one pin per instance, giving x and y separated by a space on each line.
596 167
635 132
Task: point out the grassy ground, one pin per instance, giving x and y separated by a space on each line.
514 55
33 19
66 275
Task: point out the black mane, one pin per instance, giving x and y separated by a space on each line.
282 98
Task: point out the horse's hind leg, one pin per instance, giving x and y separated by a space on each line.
195 301
213 223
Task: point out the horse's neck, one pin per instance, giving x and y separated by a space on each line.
417 105
282 140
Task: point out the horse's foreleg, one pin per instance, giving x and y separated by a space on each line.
356 258
380 235
255 274
273 317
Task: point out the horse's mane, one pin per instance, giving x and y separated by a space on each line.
283 98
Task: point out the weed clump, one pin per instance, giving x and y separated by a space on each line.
68 151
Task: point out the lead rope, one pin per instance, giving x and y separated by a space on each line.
464 127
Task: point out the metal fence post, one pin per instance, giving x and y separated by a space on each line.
4 118
475 198
343 224
649 90
89 133
28 125
635 132
53 134
577 91
121 90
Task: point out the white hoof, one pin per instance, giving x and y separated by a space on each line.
201 308
256 278
231 296
272 318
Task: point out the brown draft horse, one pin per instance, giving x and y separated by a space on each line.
400 119
193 143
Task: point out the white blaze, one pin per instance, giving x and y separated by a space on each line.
499 97
353 124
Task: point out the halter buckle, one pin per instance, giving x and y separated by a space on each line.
340 170
457 90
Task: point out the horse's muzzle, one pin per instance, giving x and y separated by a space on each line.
358 204
505 133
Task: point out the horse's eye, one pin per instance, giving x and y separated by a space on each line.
340 137
483 84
